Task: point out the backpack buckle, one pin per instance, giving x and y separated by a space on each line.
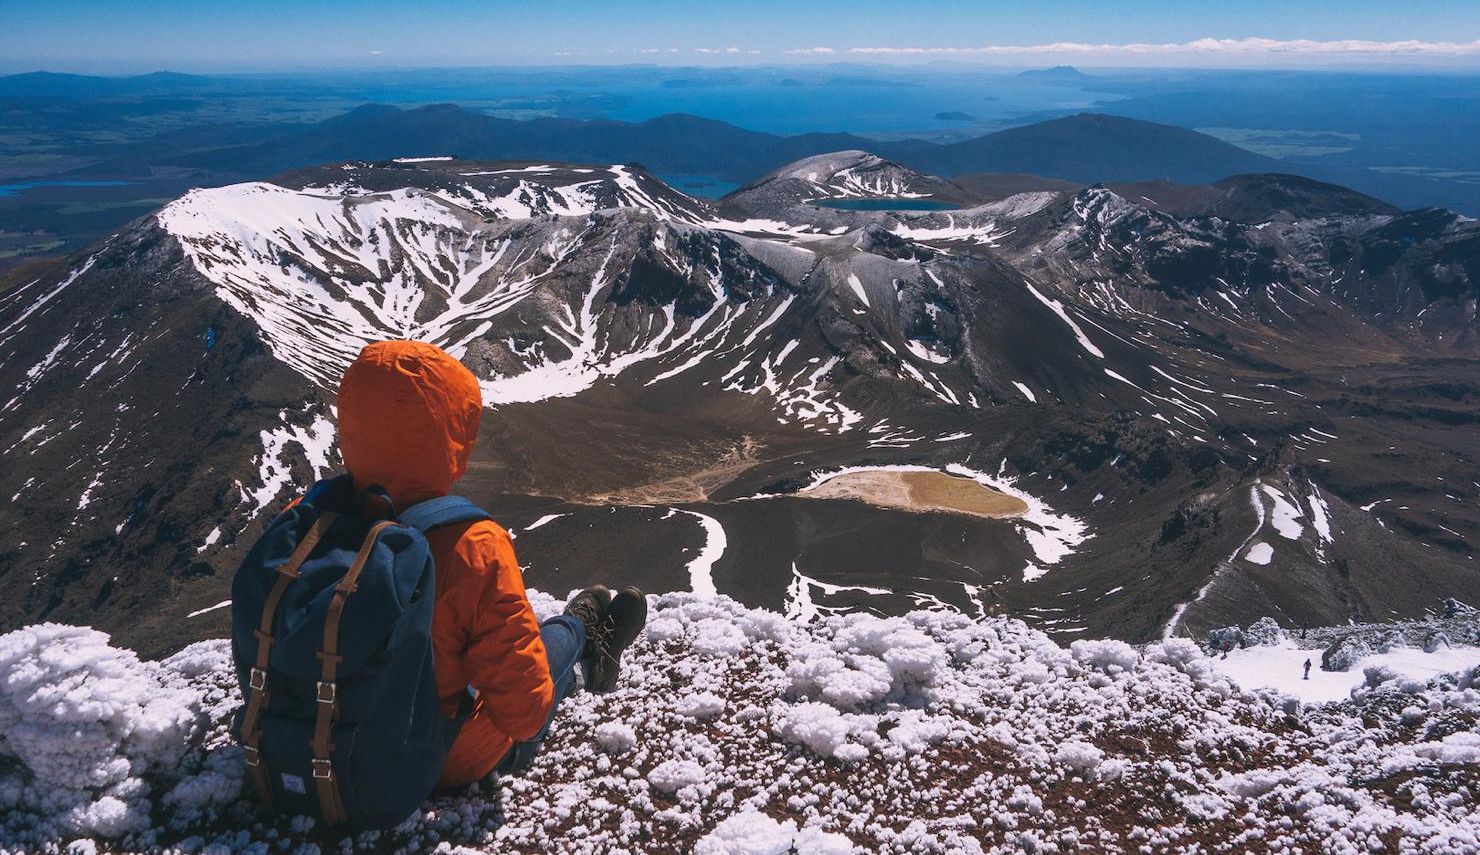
251 755
258 679
327 692
323 769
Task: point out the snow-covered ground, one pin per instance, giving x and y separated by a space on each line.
736 730
1282 668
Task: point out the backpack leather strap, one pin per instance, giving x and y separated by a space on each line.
257 696
327 784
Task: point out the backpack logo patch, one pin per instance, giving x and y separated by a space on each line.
293 784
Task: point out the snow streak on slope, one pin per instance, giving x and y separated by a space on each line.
1058 309
315 443
323 275
325 270
590 353
802 395
537 195
803 608
735 728
701 569
540 190
37 303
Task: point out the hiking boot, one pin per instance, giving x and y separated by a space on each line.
625 617
589 607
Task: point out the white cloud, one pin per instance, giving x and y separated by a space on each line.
716 50
813 50
1205 46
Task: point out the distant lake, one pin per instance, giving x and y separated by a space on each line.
887 204
886 109
17 189
937 103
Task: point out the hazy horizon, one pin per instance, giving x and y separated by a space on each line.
1354 67
205 35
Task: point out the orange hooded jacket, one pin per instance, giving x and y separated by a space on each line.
408 419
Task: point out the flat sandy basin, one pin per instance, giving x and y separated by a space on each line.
919 491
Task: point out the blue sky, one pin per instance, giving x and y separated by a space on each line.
196 35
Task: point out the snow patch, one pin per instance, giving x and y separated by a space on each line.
754 833
701 569
1284 514
1282 667
315 443
208 609
1259 553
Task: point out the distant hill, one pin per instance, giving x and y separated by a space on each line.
673 143
1058 74
1089 148
47 84
1255 198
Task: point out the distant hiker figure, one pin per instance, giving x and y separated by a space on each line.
1225 648
383 638
1307 669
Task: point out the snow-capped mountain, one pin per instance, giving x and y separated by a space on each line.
1196 420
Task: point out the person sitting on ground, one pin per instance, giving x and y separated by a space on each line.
408 420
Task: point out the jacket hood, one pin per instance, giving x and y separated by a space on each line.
408 419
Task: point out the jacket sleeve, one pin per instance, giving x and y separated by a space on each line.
504 655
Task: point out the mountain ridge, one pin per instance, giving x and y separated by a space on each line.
667 376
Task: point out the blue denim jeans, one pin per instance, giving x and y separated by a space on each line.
565 640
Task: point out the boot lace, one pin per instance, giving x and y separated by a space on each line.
599 636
